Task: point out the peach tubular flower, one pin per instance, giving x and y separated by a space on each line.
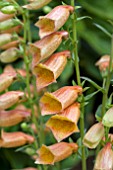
10 98
55 152
6 79
36 4
48 72
104 160
9 55
57 101
4 17
12 117
14 139
108 118
103 62
65 123
54 20
94 135
45 47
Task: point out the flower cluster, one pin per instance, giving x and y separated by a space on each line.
61 102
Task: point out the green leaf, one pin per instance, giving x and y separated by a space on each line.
88 97
93 83
111 22
98 113
63 3
109 101
74 83
78 7
84 17
103 29
86 88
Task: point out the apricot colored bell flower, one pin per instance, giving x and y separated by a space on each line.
108 118
10 55
45 47
10 98
57 101
54 20
55 152
49 71
4 17
6 79
14 139
94 135
104 160
12 117
103 62
64 124
36 4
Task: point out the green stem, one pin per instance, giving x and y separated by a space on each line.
107 83
76 60
26 60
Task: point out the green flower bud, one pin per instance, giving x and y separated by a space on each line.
108 118
6 38
5 25
9 55
8 9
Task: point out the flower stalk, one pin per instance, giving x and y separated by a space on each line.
76 62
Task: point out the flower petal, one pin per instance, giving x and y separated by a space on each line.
57 101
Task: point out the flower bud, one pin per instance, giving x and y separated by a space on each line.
10 45
10 55
45 47
14 139
64 124
10 98
4 17
104 160
54 20
14 29
10 9
5 25
12 117
6 79
6 38
36 4
49 71
94 135
57 101
55 152
108 118
103 62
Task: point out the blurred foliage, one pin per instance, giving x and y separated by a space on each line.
92 44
